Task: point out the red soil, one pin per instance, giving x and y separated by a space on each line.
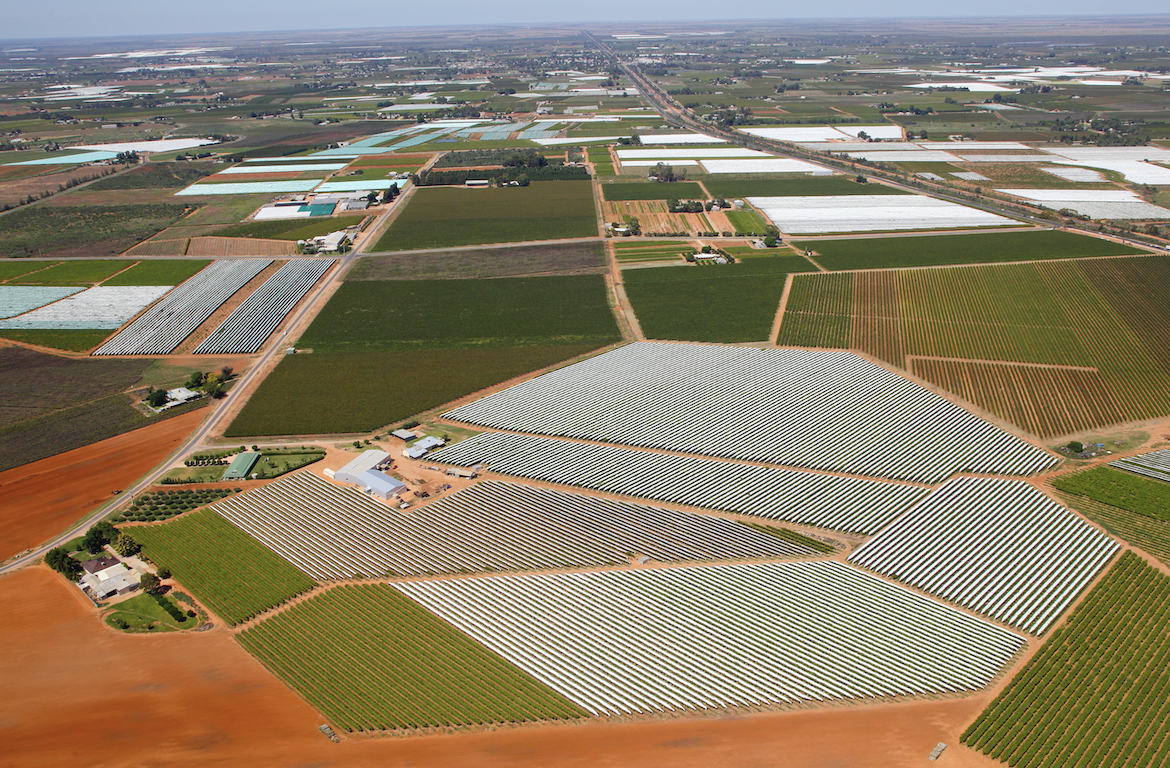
78 693
42 499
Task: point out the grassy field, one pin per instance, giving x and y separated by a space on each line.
229 571
14 268
747 222
156 176
442 217
169 272
1117 488
73 273
1096 693
548 259
295 229
371 659
447 314
799 185
362 391
1101 314
678 190
717 303
71 340
142 613
983 248
91 230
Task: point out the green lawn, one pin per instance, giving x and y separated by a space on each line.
717 303
229 571
800 185
142 613
69 340
168 272
296 229
1119 488
441 217
935 250
372 659
747 222
678 190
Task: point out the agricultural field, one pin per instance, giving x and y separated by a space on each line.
794 408
171 272
156 506
785 633
545 260
1147 533
335 532
294 229
846 504
724 303
442 217
1140 495
807 215
937 250
228 570
421 673
747 222
679 190
800 186
643 251
1071 323
155 176
1095 694
72 273
92 230
66 340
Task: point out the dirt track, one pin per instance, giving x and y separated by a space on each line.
77 690
42 499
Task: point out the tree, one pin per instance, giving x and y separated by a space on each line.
164 572
225 373
60 561
196 380
156 398
125 545
150 584
98 536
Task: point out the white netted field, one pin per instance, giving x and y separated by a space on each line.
18 299
679 138
1075 173
795 133
1134 171
286 168
872 131
98 307
969 176
652 163
1077 195
871 213
759 165
70 158
685 154
358 186
922 156
162 145
1095 203
1036 158
250 187
791 407
726 635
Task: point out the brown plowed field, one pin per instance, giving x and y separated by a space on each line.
159 248
217 247
77 693
42 499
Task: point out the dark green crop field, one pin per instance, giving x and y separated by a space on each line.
441 217
91 230
73 273
677 190
546 259
371 659
718 303
936 250
156 176
800 185
1098 693
1118 488
159 272
229 571
448 314
296 229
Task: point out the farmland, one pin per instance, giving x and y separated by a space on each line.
679 190
962 329
421 673
825 185
196 548
547 259
72 273
68 340
362 390
441 217
83 230
717 303
295 229
160 272
1149 534
981 248
155 176
1140 495
786 632
1096 692
651 251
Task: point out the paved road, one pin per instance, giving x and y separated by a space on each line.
248 381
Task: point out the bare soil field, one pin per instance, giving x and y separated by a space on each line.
218 247
654 217
44 498
89 196
17 191
198 698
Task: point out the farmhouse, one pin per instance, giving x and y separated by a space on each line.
366 472
422 447
105 577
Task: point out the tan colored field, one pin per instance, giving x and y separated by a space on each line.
654 217
159 248
42 499
18 190
78 693
217 247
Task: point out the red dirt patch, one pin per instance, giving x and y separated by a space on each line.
199 699
42 499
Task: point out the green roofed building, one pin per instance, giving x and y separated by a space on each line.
241 465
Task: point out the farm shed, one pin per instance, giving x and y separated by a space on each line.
430 443
380 484
352 472
241 465
404 434
415 453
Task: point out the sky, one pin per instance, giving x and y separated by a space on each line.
86 18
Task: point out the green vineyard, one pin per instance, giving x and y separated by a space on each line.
1055 347
1097 695
229 571
1147 533
371 659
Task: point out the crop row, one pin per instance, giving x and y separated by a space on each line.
699 637
333 532
370 659
227 569
1098 693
